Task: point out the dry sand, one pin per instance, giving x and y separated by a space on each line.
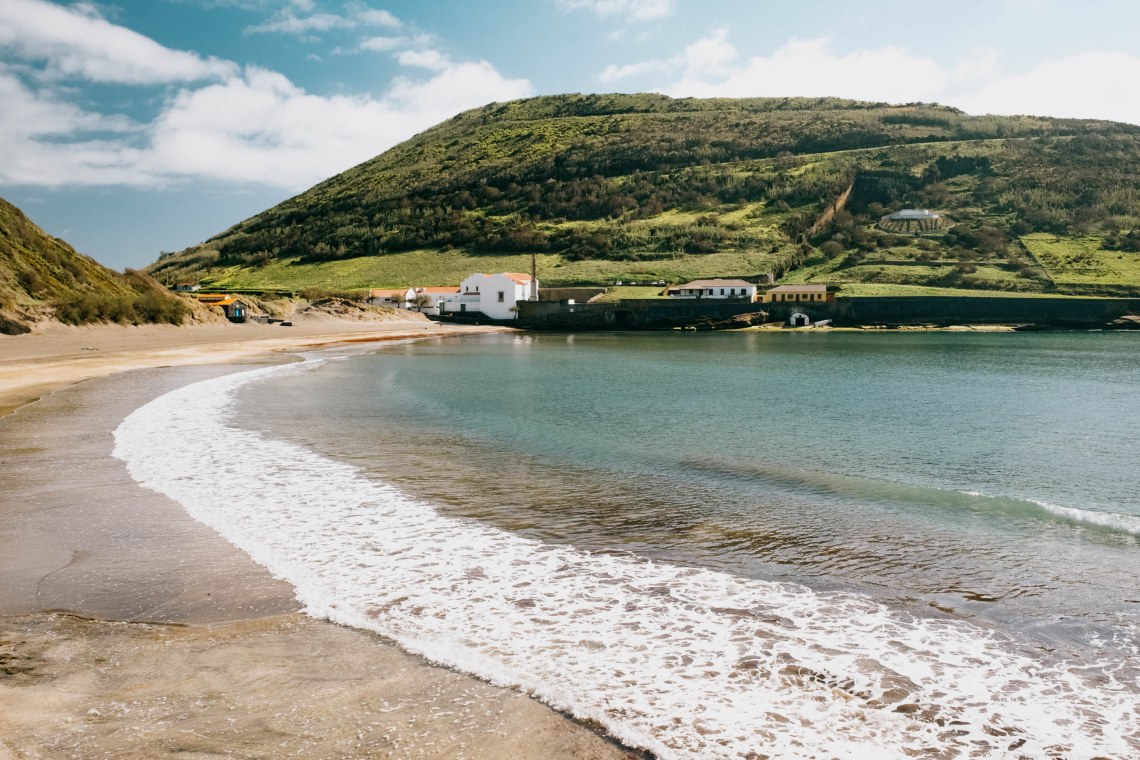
57 356
128 630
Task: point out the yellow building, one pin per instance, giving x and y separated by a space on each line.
798 293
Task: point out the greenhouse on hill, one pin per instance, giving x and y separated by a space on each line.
915 221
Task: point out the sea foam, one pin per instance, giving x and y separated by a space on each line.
681 661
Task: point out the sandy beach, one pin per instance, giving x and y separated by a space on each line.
129 630
57 356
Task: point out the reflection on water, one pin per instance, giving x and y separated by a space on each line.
987 475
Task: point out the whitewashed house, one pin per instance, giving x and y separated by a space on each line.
715 289
431 300
397 298
492 295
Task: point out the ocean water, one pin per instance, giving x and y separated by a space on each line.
716 546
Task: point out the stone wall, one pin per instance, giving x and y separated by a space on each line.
658 314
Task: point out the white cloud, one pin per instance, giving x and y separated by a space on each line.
1092 85
637 10
708 57
77 42
378 18
384 44
1096 85
289 24
808 68
979 66
613 73
34 148
263 128
257 127
427 59
286 21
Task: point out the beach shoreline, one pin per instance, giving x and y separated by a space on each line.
58 356
128 628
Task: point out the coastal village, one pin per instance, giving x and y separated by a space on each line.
501 297
754 300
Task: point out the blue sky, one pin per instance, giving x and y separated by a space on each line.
138 126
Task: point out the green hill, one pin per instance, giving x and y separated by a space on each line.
43 277
632 187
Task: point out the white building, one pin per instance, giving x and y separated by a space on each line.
424 300
431 300
492 295
715 289
398 298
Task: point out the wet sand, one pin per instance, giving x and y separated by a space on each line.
279 687
183 644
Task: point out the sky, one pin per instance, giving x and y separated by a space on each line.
140 126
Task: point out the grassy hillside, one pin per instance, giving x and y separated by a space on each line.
626 186
42 276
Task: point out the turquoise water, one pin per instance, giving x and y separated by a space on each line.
981 475
715 546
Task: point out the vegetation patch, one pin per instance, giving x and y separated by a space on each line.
605 187
38 270
1092 259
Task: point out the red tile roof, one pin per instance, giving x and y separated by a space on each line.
799 289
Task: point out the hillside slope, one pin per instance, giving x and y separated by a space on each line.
43 277
644 186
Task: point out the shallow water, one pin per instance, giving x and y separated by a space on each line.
854 545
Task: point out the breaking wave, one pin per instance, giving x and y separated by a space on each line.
681 661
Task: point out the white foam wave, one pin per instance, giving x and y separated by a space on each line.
684 662
1111 520
1122 523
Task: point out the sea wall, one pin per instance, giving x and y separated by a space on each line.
1048 312
633 314
651 314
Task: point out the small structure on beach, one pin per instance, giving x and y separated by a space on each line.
717 288
236 309
785 293
799 319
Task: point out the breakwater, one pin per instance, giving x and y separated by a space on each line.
650 314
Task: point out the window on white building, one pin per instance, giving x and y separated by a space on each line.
501 296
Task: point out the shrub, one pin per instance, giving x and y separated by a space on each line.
150 306
316 294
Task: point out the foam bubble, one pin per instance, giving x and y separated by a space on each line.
681 661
